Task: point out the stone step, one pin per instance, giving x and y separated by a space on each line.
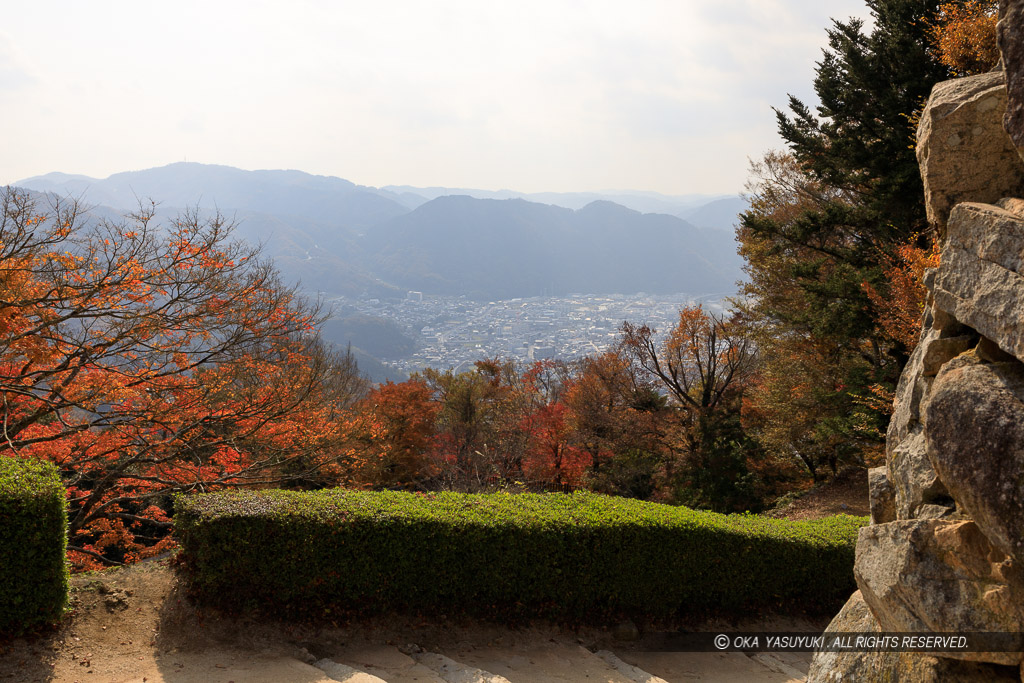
784 663
344 673
556 662
717 667
386 663
634 673
456 672
541 663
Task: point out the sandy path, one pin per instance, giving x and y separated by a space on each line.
133 625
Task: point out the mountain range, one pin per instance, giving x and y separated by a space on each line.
339 238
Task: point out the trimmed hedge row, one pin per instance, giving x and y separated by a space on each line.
33 541
555 555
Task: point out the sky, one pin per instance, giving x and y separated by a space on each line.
670 96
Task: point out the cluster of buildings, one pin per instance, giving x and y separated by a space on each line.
455 332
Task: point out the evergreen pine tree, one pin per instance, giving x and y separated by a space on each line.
860 197
871 86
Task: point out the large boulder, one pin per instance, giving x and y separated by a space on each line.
906 667
964 152
923 576
1010 32
909 473
975 442
940 351
980 280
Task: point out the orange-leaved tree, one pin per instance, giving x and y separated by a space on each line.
616 417
551 457
899 311
964 36
144 360
399 435
703 362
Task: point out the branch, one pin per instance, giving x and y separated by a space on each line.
96 555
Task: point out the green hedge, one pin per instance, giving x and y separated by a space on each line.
33 541
552 555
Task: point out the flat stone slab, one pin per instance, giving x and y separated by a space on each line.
980 280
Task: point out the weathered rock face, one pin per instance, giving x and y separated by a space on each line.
1010 31
980 281
833 667
940 576
915 482
910 392
882 496
945 551
975 442
909 472
964 152
940 351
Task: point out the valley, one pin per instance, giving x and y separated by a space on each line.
443 277
454 332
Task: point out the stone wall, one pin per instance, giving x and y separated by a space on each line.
945 548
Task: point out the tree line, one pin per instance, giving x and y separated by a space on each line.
836 240
150 359
146 360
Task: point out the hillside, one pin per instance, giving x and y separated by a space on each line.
644 202
284 193
720 214
500 249
340 238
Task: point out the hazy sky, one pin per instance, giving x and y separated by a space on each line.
672 96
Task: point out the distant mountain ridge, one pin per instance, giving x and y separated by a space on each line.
499 249
340 238
720 214
644 202
184 184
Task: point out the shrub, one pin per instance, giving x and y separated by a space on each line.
553 555
33 540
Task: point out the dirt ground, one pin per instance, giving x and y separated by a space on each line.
134 624
846 494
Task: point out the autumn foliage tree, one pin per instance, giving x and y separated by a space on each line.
964 36
551 454
498 421
704 364
814 325
474 417
900 309
398 430
616 417
144 360
826 231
